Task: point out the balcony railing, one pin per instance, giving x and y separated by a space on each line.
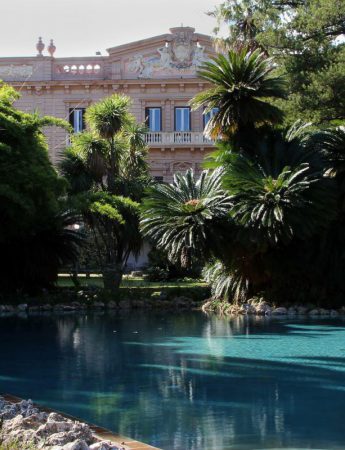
78 68
177 138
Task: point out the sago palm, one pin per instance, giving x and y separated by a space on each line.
278 195
179 217
242 82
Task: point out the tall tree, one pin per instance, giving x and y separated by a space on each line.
307 39
107 173
35 230
242 82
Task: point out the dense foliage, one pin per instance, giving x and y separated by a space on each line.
35 233
280 230
107 173
306 37
181 217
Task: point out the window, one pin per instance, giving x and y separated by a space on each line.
159 179
182 118
154 119
76 119
209 115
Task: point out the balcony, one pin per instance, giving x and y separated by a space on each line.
177 138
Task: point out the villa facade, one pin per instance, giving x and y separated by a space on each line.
159 74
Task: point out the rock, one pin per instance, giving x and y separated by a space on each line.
33 308
77 305
262 308
46 307
314 312
99 305
268 311
9 308
112 304
334 313
279 311
24 424
69 308
125 304
58 307
77 431
55 417
159 295
291 311
138 303
22 307
137 273
324 312
182 302
53 427
251 309
76 445
104 445
302 310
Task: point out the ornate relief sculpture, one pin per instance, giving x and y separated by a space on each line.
199 57
179 57
165 60
13 71
136 64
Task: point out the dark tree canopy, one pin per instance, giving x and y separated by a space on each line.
33 241
307 39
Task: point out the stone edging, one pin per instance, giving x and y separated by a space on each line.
259 307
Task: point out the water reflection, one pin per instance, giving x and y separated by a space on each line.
185 382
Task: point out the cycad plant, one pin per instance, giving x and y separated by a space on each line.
180 217
243 85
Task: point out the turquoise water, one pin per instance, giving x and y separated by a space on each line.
185 381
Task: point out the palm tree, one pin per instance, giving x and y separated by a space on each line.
107 118
281 200
226 283
280 193
134 162
332 145
242 82
103 166
180 217
84 163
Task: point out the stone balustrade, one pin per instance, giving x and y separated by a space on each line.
78 68
156 139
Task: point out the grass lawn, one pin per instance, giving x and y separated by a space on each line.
129 282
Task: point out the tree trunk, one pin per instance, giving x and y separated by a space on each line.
112 170
112 277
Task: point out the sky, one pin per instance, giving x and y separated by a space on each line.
82 27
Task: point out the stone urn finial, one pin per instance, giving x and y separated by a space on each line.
51 48
40 46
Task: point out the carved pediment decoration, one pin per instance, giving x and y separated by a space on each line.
181 55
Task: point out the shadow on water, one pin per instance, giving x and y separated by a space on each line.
185 381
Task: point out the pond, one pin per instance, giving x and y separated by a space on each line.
185 381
